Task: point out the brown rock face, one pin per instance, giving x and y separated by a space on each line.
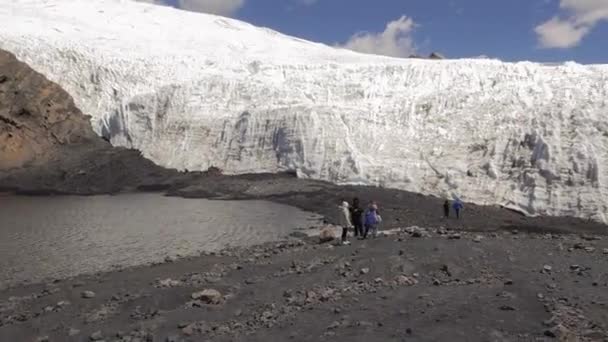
36 116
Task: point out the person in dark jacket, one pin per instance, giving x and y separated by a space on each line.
458 206
446 209
356 217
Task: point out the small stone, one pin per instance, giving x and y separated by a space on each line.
436 282
594 335
182 325
96 336
364 270
170 259
455 236
540 296
605 251
209 296
559 331
507 308
378 280
337 310
73 332
188 330
43 339
477 238
87 294
172 338
365 324
168 283
334 325
547 269
63 303
405 281
590 249
508 282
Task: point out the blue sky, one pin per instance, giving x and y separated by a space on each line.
537 30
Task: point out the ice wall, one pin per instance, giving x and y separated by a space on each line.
193 90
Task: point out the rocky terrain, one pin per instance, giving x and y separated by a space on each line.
36 117
414 285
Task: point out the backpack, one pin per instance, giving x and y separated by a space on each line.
371 217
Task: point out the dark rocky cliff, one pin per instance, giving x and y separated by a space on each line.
37 117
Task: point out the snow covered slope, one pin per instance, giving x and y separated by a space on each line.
193 90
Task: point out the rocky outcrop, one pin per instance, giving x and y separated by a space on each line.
36 116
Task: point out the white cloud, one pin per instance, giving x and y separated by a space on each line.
395 41
582 17
221 7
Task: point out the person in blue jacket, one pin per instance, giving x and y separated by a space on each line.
458 206
371 220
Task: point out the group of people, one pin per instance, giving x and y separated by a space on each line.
457 206
362 221
366 221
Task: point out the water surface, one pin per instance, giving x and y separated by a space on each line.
55 237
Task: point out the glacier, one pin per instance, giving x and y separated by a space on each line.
193 90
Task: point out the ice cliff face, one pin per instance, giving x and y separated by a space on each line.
194 90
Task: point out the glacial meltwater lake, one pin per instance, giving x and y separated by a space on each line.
56 237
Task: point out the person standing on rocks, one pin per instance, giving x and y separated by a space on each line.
356 218
345 221
372 219
458 206
446 209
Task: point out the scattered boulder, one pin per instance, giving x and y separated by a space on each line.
327 235
364 270
402 280
172 338
208 296
87 294
170 259
477 238
96 336
188 330
168 283
547 269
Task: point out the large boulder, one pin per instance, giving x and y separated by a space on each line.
208 296
327 234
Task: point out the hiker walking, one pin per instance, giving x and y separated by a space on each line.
356 217
446 209
372 219
458 206
345 221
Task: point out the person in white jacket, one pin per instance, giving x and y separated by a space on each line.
344 221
